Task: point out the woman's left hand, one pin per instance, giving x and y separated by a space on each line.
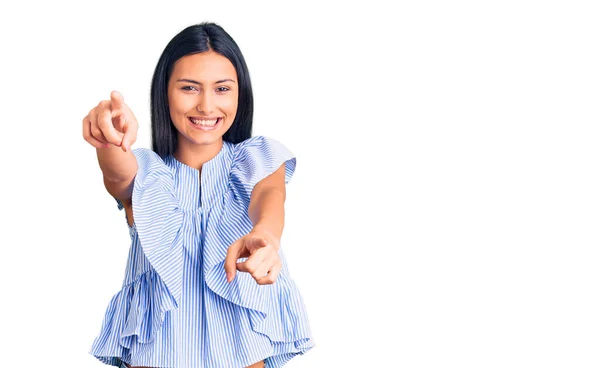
263 261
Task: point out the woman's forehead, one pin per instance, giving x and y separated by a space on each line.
205 67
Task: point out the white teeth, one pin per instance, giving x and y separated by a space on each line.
207 123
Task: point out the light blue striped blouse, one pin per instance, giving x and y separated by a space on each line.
176 308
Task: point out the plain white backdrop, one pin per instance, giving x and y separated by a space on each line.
445 207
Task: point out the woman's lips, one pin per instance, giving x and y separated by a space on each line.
198 123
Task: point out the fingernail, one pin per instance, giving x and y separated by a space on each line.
229 277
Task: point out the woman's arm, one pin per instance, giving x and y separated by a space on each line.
266 210
119 169
111 127
261 245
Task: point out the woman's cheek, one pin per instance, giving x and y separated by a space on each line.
231 104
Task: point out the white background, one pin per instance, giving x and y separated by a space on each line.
445 207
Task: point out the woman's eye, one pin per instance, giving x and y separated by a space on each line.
189 88
222 89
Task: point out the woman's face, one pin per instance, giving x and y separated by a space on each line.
203 97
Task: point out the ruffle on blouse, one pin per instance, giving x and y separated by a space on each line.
274 310
137 312
158 219
134 314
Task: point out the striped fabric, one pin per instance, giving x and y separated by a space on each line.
176 308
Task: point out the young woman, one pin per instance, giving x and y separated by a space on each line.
205 202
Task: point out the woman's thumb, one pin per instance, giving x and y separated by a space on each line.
129 137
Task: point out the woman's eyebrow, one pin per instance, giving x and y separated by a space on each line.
196 82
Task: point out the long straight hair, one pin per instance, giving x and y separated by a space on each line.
195 39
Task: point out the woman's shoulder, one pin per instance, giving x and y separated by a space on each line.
148 159
146 153
258 157
257 145
254 140
151 163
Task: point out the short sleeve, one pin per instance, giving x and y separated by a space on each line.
255 159
147 161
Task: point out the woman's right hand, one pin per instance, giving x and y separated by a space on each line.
111 123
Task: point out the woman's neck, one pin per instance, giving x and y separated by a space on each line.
195 155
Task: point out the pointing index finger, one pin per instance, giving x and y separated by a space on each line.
116 100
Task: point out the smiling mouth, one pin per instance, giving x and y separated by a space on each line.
210 122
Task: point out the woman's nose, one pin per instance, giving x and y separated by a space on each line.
205 105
